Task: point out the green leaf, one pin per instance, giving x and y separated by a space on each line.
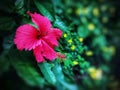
6 23
107 55
60 24
7 43
25 69
83 32
67 63
60 78
43 10
58 72
99 41
19 5
47 72
4 64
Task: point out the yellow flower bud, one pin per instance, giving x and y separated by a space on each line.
78 11
110 49
85 11
95 73
72 47
64 35
91 26
75 63
81 39
89 53
70 41
96 12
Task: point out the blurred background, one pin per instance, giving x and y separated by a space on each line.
88 49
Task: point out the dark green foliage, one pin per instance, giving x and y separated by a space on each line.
89 41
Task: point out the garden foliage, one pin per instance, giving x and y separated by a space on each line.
84 52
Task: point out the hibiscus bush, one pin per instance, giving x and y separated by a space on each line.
59 44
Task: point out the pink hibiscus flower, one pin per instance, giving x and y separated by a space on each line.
41 40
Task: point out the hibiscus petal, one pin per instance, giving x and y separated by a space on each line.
50 40
25 37
56 32
48 52
38 54
42 22
52 36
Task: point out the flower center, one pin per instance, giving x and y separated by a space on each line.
38 36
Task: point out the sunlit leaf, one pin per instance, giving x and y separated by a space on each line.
47 72
43 10
61 80
60 24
